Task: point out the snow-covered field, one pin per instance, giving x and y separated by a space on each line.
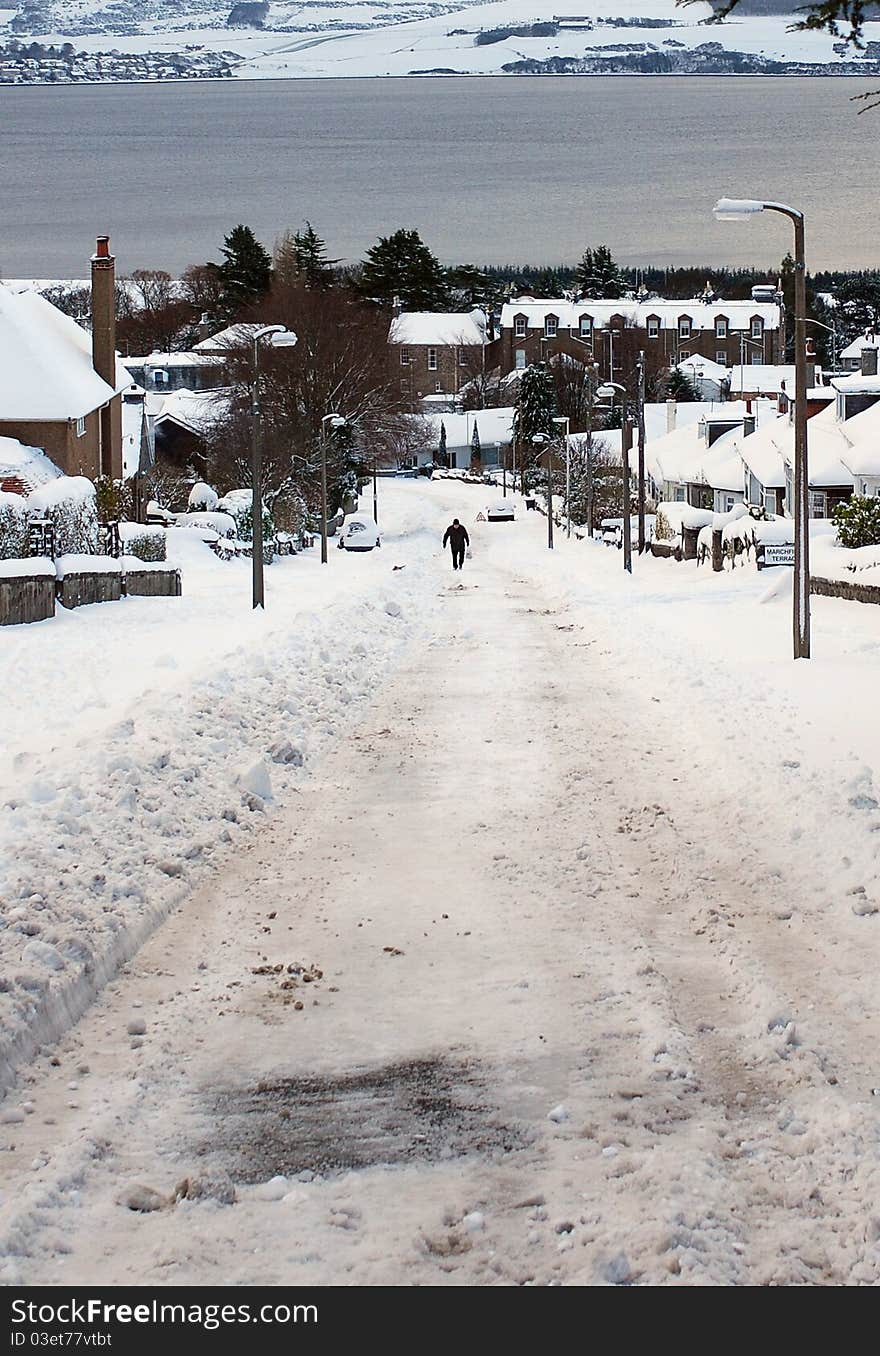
379 40
554 963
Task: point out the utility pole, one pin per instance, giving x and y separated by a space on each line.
641 417
625 445
256 488
375 493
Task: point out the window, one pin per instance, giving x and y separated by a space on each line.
405 357
80 427
520 325
160 376
462 357
679 494
438 387
721 357
757 327
551 326
653 323
432 360
684 355
586 326
684 327
404 386
729 502
818 504
770 501
520 357
721 327
757 359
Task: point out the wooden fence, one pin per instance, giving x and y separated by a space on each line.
842 588
26 598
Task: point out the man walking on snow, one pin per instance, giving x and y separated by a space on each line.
458 539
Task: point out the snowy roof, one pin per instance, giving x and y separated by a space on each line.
185 358
495 426
703 315
192 410
766 378
856 382
704 368
867 340
231 337
826 446
438 328
862 435
46 370
684 456
24 468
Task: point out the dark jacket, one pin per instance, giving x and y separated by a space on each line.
457 536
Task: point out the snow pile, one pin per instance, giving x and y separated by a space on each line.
76 563
28 567
203 496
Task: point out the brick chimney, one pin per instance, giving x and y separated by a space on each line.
869 362
104 340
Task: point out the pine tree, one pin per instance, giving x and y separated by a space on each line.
598 276
442 454
302 258
680 387
245 273
476 449
535 407
401 265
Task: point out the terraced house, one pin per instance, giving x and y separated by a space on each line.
609 333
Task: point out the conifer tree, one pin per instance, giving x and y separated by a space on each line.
246 271
476 449
535 407
401 265
302 258
442 454
598 276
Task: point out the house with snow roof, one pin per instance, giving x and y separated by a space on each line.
61 388
610 333
851 356
699 464
436 352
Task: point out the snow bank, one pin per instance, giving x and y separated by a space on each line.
26 567
74 563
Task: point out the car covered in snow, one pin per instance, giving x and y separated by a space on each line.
359 534
502 511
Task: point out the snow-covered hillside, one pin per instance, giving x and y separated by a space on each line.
371 38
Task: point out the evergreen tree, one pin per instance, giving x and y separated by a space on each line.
680 387
476 449
302 258
442 454
858 305
245 273
598 276
401 265
535 407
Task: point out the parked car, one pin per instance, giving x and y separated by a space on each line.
502 511
359 534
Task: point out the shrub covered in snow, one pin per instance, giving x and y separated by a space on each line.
146 543
202 496
14 531
70 504
239 504
221 523
114 499
858 522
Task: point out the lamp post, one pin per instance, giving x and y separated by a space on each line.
543 440
334 421
563 419
606 392
808 320
280 337
740 209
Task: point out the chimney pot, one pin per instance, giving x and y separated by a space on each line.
102 247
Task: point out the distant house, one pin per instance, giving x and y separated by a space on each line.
700 464
435 353
61 389
494 427
609 333
710 380
851 356
179 423
173 371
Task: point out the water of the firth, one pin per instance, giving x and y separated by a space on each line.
489 170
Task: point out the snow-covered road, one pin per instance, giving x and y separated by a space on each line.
548 972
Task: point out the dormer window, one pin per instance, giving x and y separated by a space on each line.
586 326
653 324
520 326
551 326
757 327
684 327
721 327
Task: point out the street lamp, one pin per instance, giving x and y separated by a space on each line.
280 337
563 419
739 209
808 320
333 421
544 440
606 392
